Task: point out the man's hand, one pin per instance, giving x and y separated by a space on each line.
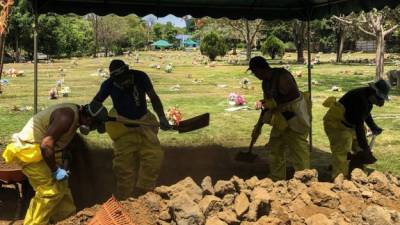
60 174
377 131
164 124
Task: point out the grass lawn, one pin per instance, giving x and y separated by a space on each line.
229 129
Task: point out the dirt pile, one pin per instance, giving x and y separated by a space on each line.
9 166
373 199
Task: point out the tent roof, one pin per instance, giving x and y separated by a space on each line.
233 9
189 42
161 43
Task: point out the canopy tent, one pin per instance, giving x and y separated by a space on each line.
233 9
190 43
161 44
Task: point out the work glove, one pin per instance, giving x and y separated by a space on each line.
164 124
60 174
377 131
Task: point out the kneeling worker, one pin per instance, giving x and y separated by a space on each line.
344 124
286 110
39 147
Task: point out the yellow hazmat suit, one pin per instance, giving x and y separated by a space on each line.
341 138
137 155
53 199
292 133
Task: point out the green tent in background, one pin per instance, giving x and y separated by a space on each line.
161 44
190 43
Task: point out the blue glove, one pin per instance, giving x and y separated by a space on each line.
60 174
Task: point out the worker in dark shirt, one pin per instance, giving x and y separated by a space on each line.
137 150
344 124
287 111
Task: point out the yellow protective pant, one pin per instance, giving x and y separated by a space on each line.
298 152
53 199
342 141
136 164
341 138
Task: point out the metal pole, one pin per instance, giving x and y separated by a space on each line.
35 69
309 77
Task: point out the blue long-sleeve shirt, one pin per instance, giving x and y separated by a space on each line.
124 101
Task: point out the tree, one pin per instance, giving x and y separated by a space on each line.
19 28
377 24
212 46
111 30
137 32
190 24
247 31
93 18
298 38
273 47
170 32
157 30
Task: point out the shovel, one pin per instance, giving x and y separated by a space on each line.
184 126
247 156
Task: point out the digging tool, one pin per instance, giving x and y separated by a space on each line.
355 162
184 126
249 156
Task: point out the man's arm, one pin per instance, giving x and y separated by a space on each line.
104 91
158 108
60 123
372 125
287 84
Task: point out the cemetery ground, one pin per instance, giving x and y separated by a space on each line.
196 87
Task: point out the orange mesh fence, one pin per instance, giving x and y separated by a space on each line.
111 213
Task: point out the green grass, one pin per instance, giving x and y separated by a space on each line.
230 129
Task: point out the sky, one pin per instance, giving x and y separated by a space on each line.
176 21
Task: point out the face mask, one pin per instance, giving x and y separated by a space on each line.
377 100
84 129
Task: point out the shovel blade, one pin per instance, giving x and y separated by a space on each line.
246 157
194 123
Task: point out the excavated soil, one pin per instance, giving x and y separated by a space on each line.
303 200
10 166
233 192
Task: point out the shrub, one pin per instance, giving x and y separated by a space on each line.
290 47
273 47
212 46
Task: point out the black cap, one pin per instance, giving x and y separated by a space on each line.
381 88
258 62
117 67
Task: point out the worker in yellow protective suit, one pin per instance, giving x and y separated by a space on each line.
137 150
38 148
344 125
287 112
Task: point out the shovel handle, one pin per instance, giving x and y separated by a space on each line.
372 142
132 122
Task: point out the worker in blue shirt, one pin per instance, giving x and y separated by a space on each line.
137 150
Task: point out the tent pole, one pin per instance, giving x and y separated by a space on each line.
309 77
35 69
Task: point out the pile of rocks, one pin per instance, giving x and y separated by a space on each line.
373 199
